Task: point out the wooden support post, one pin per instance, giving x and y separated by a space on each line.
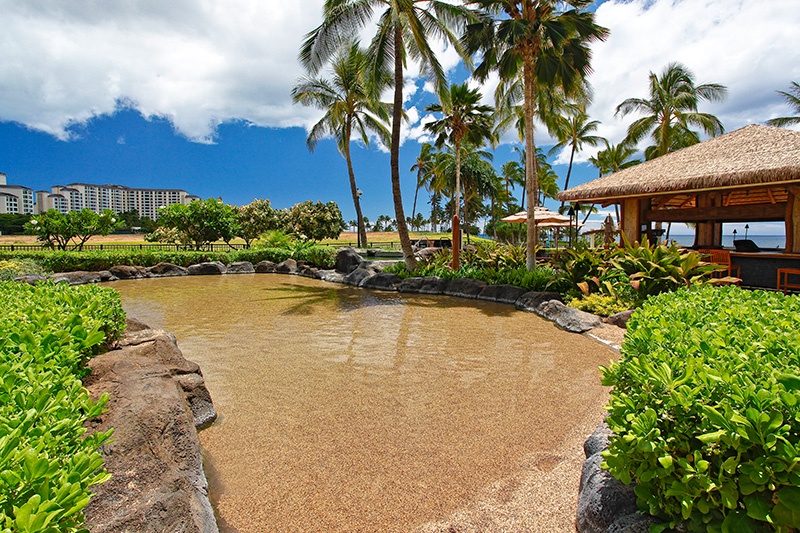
630 220
704 232
793 222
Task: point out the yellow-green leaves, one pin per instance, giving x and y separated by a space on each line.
46 463
705 409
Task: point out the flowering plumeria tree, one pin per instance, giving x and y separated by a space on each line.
58 230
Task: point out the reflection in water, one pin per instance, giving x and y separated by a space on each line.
349 410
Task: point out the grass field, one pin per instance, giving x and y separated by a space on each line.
345 239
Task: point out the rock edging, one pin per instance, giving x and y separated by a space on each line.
157 400
605 504
352 269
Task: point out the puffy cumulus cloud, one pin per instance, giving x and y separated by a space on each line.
197 64
747 45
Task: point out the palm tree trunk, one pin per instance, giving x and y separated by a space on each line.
362 232
569 171
397 117
434 201
531 174
414 208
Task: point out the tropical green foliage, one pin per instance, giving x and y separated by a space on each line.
47 461
544 44
600 304
10 269
69 261
57 230
197 223
705 410
314 221
630 274
465 121
489 262
574 130
131 219
255 219
672 110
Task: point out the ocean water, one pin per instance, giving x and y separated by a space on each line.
762 241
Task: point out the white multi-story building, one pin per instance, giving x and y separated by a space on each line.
15 199
118 198
45 201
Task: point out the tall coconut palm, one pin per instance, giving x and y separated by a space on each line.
349 102
574 130
546 44
404 28
792 98
465 120
424 169
671 111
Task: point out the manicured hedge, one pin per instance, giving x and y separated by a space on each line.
59 261
706 409
47 463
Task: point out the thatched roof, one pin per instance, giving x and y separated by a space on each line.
752 155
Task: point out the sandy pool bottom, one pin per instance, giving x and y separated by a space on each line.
343 410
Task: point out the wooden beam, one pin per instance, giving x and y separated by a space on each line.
741 213
771 197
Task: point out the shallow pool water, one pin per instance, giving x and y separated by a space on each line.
342 409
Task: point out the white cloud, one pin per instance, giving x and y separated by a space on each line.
747 45
199 64
196 63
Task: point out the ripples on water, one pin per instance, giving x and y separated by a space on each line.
350 410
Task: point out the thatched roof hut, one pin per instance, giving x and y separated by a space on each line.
751 174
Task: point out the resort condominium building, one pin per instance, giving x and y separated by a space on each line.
15 199
118 198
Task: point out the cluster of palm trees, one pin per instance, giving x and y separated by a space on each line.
540 51
534 45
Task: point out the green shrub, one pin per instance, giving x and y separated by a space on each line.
656 268
19 267
68 261
600 304
47 463
489 263
706 409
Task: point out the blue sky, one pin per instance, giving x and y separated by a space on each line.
195 95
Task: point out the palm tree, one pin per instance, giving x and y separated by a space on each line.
546 44
547 177
574 130
514 174
614 158
671 111
424 168
403 29
792 97
465 120
349 102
